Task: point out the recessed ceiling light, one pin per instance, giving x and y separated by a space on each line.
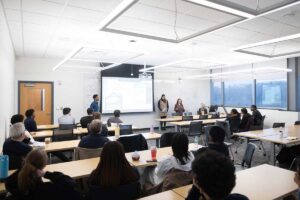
132 41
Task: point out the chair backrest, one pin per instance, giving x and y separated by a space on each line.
175 114
125 129
297 122
187 118
62 135
203 116
84 153
224 125
134 143
66 126
278 124
166 139
206 132
234 123
195 128
247 159
187 113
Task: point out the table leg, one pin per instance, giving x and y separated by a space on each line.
272 156
159 127
157 143
176 128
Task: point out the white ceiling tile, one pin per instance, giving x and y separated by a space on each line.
13 4
13 15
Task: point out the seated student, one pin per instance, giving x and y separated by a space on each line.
216 141
84 121
114 177
234 119
14 146
66 118
214 178
27 182
104 132
115 119
181 159
20 118
256 118
30 123
94 140
245 122
202 110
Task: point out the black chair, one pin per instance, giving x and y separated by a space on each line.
201 117
206 133
224 125
248 155
166 139
187 118
63 134
133 143
175 114
234 123
278 124
67 126
258 127
297 123
187 113
125 129
195 129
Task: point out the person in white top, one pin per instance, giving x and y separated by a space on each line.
181 159
66 118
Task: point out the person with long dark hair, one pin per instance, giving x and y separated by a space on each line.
27 182
163 106
179 108
181 159
114 177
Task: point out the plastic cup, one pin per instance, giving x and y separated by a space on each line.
153 152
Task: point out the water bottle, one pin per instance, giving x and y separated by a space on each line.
281 132
4 161
151 129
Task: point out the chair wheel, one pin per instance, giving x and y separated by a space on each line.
265 154
259 148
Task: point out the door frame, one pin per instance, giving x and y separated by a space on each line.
52 86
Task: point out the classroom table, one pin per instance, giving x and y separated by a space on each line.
179 124
291 136
179 118
259 183
167 195
83 168
76 131
72 144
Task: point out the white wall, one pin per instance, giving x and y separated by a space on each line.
7 70
74 88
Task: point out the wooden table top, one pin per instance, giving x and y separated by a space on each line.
161 152
167 195
205 121
72 144
259 183
76 131
273 135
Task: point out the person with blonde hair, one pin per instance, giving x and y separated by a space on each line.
27 182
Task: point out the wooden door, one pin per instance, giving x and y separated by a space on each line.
38 96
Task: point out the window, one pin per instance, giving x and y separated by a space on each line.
238 93
216 93
271 93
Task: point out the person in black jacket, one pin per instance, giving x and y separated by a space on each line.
30 123
245 122
216 141
234 119
214 178
256 118
94 140
27 182
14 146
104 132
114 177
84 121
163 106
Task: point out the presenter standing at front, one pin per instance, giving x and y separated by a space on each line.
179 109
95 104
163 106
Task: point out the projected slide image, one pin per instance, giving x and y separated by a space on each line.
127 94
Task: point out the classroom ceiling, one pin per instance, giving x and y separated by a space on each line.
53 28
